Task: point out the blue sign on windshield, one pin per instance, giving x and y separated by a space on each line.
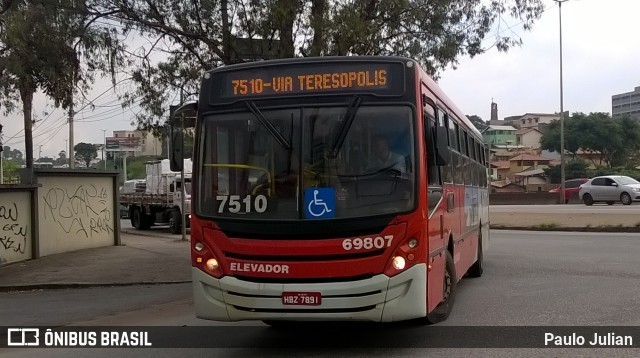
319 203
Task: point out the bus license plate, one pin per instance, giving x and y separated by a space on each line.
301 298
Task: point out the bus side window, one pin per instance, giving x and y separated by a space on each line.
443 119
433 172
456 157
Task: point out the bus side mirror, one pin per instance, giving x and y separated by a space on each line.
442 147
176 134
176 148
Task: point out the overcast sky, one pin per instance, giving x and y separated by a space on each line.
601 57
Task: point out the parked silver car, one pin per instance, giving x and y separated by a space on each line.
609 189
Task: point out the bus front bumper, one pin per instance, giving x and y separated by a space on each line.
380 298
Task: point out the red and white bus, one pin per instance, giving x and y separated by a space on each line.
334 188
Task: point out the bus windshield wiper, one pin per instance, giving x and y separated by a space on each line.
344 128
267 124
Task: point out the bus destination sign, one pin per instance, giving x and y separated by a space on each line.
273 81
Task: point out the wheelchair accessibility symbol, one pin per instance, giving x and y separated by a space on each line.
319 203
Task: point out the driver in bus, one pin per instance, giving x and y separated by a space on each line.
384 158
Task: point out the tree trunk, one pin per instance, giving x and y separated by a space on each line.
26 95
318 9
288 10
226 34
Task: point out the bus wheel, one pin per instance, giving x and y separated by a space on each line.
442 310
478 267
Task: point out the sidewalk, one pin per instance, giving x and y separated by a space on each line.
595 222
148 259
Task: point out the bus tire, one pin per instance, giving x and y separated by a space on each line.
478 267
443 309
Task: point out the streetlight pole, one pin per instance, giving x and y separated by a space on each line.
562 174
183 193
104 147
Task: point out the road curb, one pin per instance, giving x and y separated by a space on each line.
551 227
62 286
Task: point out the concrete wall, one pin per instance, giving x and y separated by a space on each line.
76 211
16 225
535 198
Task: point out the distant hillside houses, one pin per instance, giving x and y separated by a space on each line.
517 162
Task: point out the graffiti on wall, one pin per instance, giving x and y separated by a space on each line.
14 228
82 210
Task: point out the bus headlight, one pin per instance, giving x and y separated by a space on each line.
199 246
398 262
212 264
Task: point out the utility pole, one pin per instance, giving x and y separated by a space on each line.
183 185
562 174
69 155
124 165
40 151
104 147
1 155
72 162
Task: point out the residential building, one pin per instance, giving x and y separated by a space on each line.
505 186
626 104
593 158
499 135
528 137
142 143
533 120
532 180
525 162
500 170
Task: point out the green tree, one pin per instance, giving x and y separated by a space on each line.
85 152
136 170
574 169
42 46
10 171
477 122
616 140
13 154
199 35
62 158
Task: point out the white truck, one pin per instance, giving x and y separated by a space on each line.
161 201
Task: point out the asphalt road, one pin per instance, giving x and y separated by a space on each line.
531 279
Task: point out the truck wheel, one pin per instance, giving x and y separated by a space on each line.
175 222
139 220
443 309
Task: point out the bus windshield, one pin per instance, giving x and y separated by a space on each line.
247 171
